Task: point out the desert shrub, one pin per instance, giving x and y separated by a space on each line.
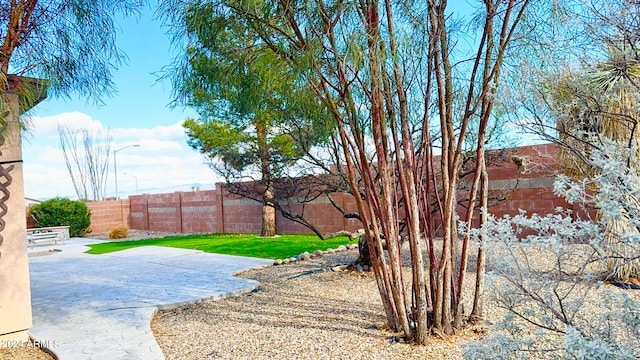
63 212
119 232
552 282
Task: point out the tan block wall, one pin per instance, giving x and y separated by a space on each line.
106 215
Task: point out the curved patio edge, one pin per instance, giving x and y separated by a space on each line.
101 306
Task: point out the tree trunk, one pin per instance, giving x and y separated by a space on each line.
364 257
268 209
478 306
268 215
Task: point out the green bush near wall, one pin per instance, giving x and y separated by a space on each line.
63 212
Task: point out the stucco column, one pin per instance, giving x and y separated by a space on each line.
15 293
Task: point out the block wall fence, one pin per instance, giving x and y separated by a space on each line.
218 211
528 187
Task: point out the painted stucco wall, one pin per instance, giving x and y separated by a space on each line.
15 294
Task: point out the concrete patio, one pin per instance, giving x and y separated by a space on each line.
100 306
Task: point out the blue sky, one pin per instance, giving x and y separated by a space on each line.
137 114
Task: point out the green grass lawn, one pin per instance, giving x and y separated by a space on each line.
280 247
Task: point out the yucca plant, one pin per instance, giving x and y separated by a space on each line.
602 102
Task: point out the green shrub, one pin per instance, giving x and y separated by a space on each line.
63 212
119 232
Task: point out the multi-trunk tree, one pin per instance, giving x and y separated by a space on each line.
385 71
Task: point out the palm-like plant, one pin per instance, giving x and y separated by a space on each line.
603 102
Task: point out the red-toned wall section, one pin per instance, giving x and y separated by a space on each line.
524 182
200 211
322 215
177 212
218 211
241 215
158 212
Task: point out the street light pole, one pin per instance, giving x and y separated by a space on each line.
115 165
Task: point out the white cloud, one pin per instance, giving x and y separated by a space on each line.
171 132
159 145
163 162
47 126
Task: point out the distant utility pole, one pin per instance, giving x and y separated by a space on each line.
135 178
115 166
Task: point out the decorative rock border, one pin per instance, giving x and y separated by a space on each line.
318 253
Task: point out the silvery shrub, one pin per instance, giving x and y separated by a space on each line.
548 274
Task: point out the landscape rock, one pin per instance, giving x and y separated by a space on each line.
352 246
304 256
331 251
339 268
341 248
318 253
278 262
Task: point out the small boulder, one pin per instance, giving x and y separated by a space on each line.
286 261
341 248
339 268
318 253
331 251
304 256
278 262
352 246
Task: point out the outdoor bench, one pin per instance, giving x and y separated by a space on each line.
35 237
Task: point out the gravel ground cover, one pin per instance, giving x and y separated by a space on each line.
301 310
25 353
304 310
